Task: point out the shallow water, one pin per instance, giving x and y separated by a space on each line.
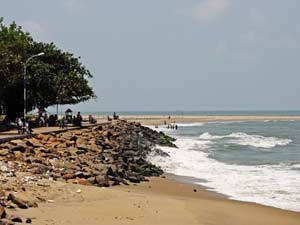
249 161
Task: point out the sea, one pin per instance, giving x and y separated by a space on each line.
194 113
252 161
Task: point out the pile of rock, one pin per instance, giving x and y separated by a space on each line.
12 201
102 155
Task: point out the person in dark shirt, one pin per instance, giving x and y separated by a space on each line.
79 119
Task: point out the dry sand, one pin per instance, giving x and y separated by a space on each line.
159 119
161 201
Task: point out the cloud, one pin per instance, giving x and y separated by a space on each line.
210 10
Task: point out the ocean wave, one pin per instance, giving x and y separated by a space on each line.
190 124
245 139
273 185
293 165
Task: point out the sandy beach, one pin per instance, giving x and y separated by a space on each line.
149 112
160 201
160 119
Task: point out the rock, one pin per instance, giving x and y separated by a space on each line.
4 152
53 139
69 175
3 167
43 137
80 151
2 212
134 179
18 148
110 154
92 180
58 164
70 143
29 143
28 220
19 202
17 142
11 205
102 181
83 181
16 219
72 181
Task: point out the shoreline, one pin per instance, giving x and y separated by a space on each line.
168 201
186 180
160 119
160 201
192 182
221 191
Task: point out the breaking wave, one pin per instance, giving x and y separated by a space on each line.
245 139
273 185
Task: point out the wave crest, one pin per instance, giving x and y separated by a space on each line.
246 183
245 139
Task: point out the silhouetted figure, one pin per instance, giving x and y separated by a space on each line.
62 122
115 116
79 119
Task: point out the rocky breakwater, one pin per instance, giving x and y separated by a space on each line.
102 155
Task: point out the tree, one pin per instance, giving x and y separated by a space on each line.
58 77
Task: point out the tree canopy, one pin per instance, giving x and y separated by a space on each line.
57 77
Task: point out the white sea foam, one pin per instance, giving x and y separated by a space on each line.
208 136
248 140
271 185
190 124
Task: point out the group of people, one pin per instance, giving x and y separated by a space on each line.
115 117
75 120
45 121
23 126
172 126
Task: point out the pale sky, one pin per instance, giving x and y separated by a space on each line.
175 54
